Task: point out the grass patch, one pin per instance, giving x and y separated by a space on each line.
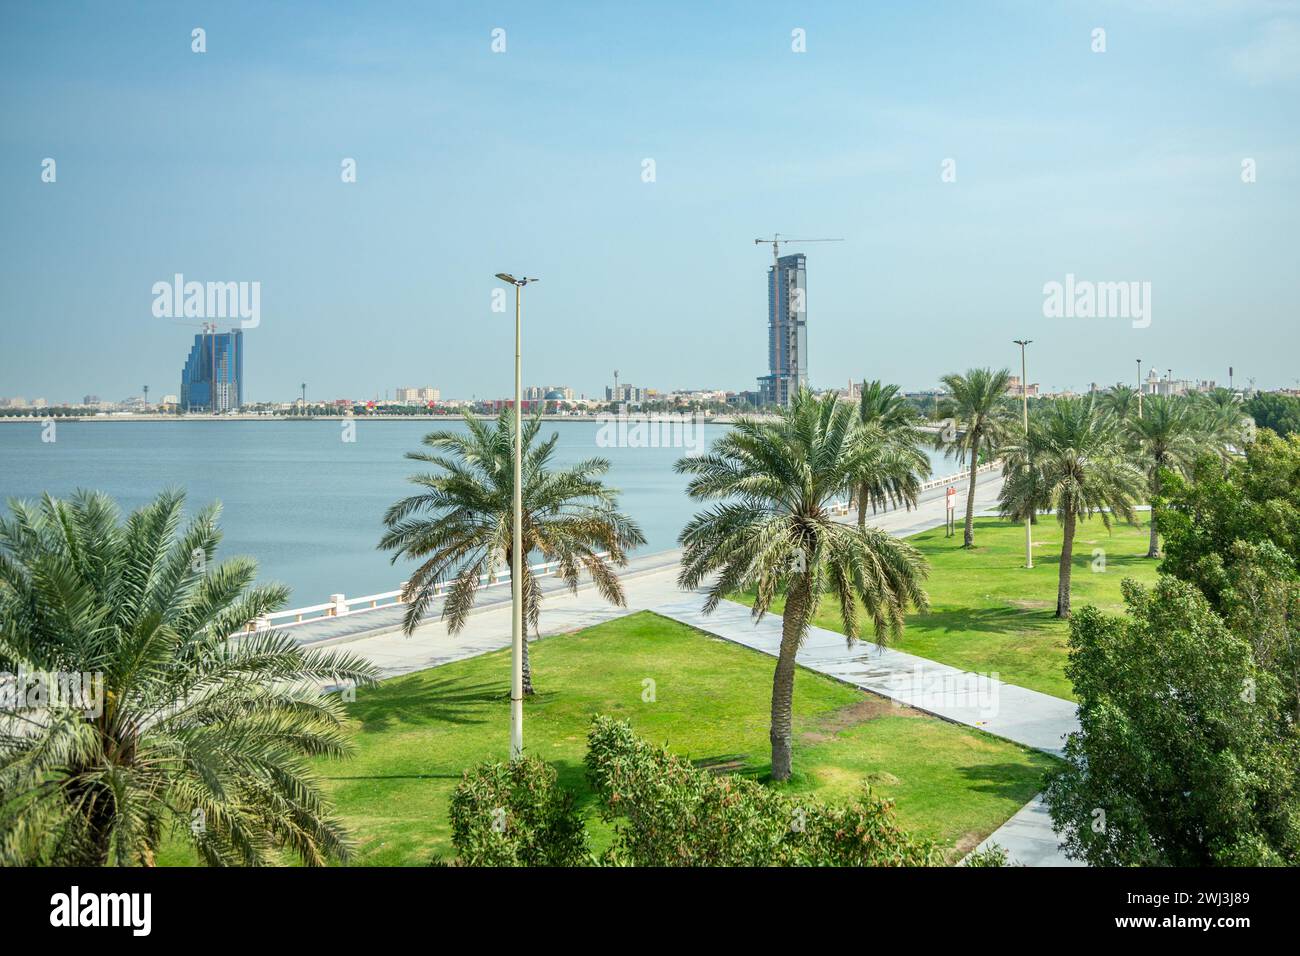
710 702
990 614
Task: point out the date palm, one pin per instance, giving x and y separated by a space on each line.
178 727
977 422
1222 420
460 524
1169 435
1121 401
772 530
1072 462
898 466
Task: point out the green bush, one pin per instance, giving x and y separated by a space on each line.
1183 756
670 813
515 814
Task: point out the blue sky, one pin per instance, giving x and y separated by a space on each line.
1115 166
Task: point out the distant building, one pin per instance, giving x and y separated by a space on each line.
417 396
787 330
1013 387
213 377
90 400
548 393
625 393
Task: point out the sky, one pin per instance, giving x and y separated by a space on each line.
968 154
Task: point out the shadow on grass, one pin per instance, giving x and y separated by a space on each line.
1002 780
423 699
988 620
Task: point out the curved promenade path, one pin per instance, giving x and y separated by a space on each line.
1027 717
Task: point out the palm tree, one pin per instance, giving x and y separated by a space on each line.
1222 420
980 423
1121 401
174 726
460 523
1170 434
1072 462
897 470
772 531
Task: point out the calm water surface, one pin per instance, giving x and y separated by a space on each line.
307 505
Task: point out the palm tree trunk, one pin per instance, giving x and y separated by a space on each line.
527 669
969 540
1067 561
794 622
1154 550
862 508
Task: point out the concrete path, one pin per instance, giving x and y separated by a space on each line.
1029 839
1015 713
976 700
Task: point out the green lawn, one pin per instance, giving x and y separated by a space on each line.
711 698
988 613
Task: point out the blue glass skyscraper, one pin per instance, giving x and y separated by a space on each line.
213 377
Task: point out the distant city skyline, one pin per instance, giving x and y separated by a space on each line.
366 177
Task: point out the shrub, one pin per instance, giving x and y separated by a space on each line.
1182 757
670 813
516 814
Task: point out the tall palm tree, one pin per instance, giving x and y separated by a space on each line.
900 465
1169 435
460 524
772 530
1121 401
1222 420
176 726
980 423
1073 463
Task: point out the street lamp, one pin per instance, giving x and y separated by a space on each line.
516 557
1024 402
1139 388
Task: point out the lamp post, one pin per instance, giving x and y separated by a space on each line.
516 540
303 386
1139 388
1024 404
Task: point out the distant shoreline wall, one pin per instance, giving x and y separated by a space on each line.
590 419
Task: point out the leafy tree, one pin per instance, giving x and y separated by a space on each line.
1254 498
460 524
772 530
1233 530
1182 757
183 728
1275 411
895 470
980 422
1168 437
1072 463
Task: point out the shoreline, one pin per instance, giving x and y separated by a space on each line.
598 419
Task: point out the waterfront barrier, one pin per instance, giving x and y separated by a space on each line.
960 476
340 605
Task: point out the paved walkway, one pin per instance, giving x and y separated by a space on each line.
1015 713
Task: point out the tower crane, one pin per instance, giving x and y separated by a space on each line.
792 332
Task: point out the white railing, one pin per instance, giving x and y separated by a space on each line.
341 606
960 476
